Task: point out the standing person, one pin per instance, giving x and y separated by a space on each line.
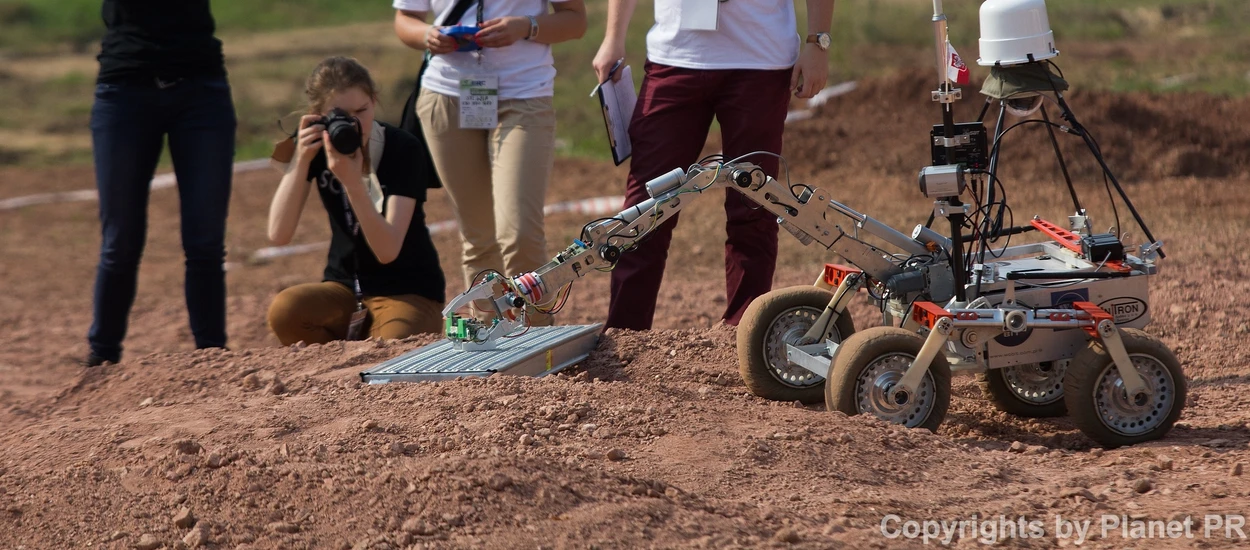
162 74
495 159
739 68
382 265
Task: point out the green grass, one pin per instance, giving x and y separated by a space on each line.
871 37
35 25
30 25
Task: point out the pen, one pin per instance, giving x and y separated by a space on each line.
611 72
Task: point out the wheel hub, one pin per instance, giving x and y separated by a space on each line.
1141 413
789 328
900 396
1036 383
875 392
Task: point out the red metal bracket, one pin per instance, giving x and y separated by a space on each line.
1068 239
1095 313
928 313
836 273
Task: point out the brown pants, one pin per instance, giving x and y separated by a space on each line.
317 313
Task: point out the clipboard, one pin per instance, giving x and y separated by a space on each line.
616 102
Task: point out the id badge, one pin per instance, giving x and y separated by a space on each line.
479 102
698 15
356 329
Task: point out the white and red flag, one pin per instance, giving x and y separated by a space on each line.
956 69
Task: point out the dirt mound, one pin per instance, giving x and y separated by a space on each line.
652 442
284 448
881 126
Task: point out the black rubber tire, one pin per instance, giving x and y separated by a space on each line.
995 388
865 348
753 331
1082 387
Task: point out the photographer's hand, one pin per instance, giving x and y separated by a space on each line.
309 139
502 31
288 200
347 168
437 42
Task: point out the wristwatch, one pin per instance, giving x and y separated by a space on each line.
533 27
821 40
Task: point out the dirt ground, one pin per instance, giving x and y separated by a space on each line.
653 441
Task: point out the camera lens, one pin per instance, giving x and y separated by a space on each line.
344 133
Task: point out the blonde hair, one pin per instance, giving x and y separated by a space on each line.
336 74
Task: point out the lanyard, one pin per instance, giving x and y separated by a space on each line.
354 225
481 7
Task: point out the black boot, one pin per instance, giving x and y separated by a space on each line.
94 360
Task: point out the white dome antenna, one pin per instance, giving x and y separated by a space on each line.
1014 32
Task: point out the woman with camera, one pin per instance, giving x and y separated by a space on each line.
382 270
495 152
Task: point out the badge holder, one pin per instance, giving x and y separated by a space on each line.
479 93
698 15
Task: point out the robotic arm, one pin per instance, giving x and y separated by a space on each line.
805 214
601 244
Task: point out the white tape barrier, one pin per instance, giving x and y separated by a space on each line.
596 206
819 99
163 181
272 252
45 198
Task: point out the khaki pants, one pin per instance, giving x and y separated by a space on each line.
320 312
497 181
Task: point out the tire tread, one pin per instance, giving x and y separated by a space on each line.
1086 369
753 331
869 344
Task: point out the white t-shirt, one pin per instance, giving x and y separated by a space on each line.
750 34
525 68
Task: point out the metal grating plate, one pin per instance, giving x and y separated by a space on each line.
541 351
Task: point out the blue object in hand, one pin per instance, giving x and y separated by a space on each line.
463 35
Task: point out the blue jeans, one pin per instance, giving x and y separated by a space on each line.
128 125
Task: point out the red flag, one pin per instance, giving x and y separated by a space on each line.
956 70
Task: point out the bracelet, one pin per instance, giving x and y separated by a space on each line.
533 27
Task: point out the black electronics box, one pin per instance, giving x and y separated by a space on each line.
1103 247
973 154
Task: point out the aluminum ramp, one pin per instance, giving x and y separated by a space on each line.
541 351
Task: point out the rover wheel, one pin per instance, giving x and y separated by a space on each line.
773 320
871 362
1034 390
1103 410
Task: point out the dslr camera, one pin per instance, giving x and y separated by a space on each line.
344 131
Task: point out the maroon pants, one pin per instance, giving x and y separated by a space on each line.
670 125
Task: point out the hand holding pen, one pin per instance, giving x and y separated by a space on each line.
611 56
613 75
